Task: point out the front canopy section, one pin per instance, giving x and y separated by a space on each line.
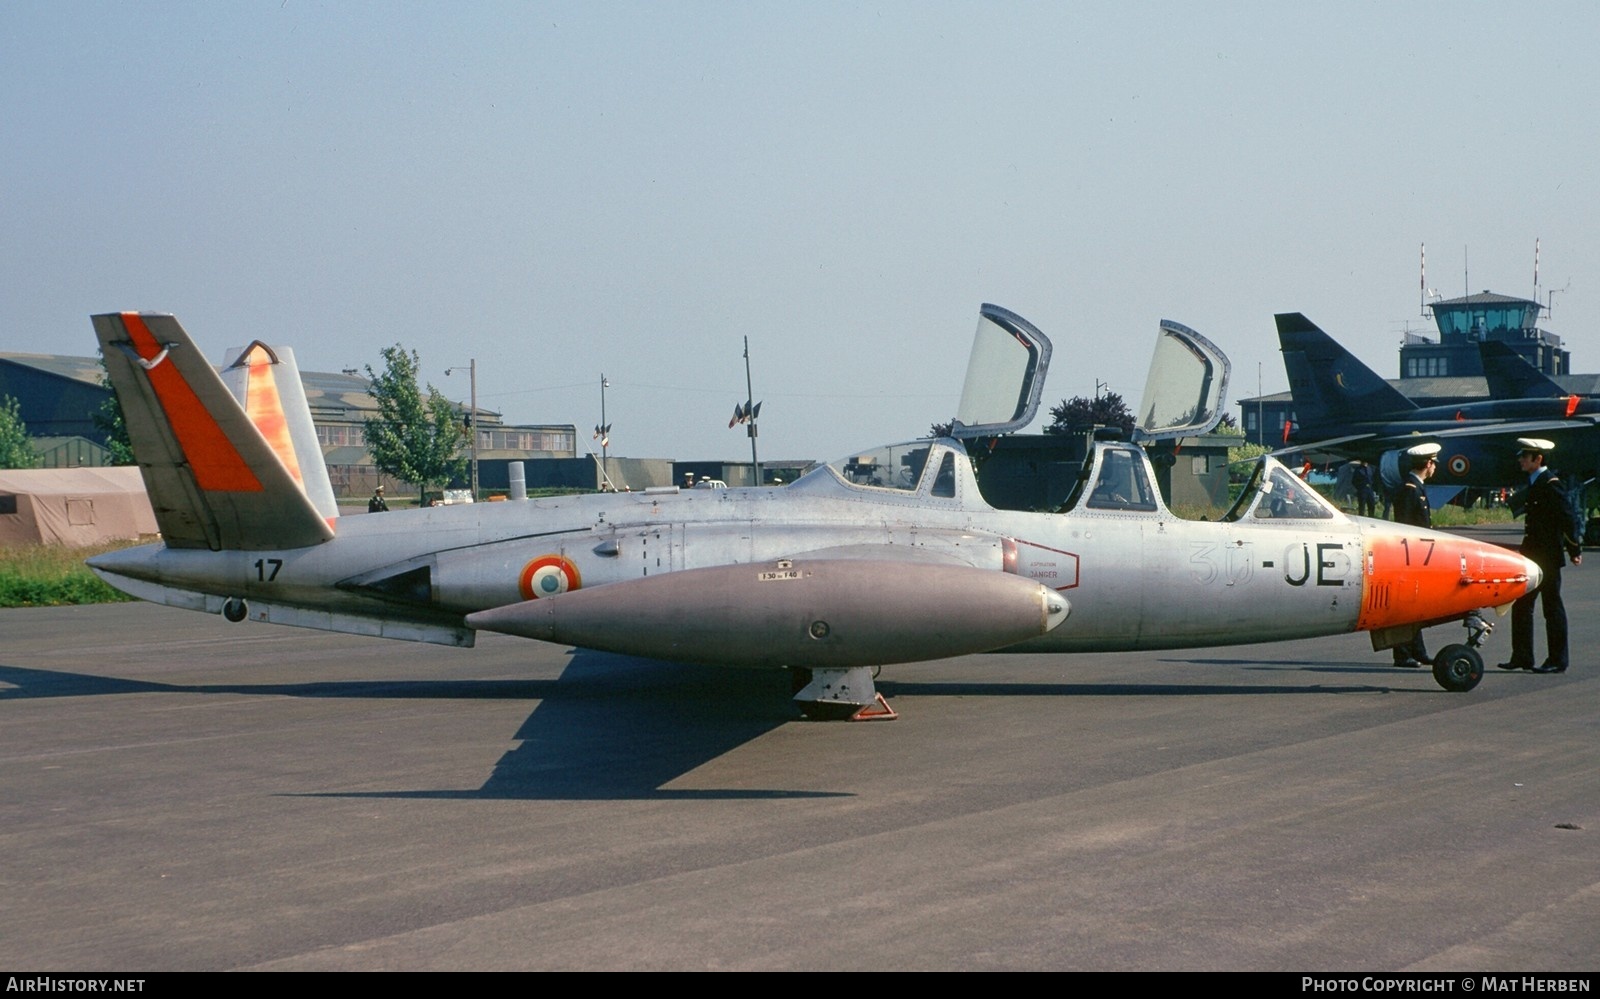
1276 494
901 468
1187 386
1005 375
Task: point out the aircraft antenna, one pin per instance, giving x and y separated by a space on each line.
1422 281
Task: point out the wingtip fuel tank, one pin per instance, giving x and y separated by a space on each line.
820 613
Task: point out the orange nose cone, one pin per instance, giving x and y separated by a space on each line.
1429 577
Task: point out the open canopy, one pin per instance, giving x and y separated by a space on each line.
1005 375
1186 388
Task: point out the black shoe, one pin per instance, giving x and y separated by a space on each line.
1549 668
1513 666
1408 663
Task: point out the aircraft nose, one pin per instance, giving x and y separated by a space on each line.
1535 574
1414 576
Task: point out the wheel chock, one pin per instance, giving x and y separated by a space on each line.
879 710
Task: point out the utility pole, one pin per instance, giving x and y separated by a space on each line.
605 433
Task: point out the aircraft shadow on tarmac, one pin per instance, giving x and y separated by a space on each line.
620 727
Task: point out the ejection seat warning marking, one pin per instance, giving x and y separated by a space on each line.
773 575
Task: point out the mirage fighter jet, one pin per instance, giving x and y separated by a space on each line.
1344 407
887 555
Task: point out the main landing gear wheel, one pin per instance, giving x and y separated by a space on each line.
1458 668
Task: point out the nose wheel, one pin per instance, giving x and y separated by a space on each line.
1458 668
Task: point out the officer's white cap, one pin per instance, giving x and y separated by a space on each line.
1424 450
1538 444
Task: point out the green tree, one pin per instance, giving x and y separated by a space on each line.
1244 450
108 420
1082 413
415 438
16 449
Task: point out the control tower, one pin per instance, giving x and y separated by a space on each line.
1464 322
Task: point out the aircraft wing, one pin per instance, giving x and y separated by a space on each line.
906 554
1328 444
1518 428
1508 428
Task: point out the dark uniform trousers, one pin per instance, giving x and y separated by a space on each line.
1555 616
1411 507
1547 537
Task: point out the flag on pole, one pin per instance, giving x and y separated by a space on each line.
743 412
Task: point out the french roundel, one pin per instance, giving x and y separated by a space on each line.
547 576
1459 464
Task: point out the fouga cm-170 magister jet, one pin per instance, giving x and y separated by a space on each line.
895 554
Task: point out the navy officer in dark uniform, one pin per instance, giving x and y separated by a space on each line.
1549 533
1411 507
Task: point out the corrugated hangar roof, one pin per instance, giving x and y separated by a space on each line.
79 369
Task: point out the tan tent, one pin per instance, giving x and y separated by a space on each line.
73 506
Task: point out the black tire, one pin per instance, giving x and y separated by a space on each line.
1458 668
235 609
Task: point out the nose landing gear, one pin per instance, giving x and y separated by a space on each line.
1458 668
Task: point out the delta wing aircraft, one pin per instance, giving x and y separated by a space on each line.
1344 407
894 554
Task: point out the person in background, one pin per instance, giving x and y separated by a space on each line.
1361 485
377 504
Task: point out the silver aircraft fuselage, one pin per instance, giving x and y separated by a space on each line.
1134 579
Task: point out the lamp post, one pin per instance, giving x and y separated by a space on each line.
604 430
472 419
749 394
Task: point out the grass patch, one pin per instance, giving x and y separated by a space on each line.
51 575
1453 516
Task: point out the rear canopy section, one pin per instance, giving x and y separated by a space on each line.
1186 388
1184 393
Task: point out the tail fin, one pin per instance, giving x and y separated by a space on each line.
214 480
266 381
1511 376
1330 386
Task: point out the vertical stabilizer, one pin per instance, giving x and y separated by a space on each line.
1510 376
1330 386
266 381
214 480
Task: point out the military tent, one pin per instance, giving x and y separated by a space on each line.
73 506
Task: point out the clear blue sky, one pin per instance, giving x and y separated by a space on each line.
560 190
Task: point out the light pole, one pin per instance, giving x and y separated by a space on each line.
472 419
749 394
604 430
